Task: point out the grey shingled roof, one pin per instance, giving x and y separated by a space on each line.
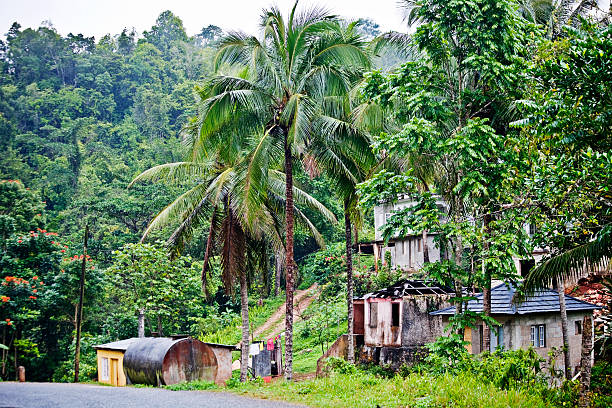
409 288
501 303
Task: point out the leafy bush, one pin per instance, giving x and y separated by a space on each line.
447 355
506 370
340 365
88 364
601 384
510 369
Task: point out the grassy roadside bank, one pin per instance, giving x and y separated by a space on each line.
367 391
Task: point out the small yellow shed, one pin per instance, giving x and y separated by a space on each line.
110 362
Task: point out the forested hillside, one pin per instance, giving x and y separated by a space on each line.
79 119
223 186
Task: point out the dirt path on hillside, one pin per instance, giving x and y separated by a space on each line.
276 323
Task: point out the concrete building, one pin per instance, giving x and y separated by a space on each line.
534 323
407 251
395 322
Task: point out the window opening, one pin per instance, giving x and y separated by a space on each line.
373 314
578 326
395 314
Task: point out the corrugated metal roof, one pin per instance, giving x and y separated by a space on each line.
120 345
409 288
501 303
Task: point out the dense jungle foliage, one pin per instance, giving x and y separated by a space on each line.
79 119
182 155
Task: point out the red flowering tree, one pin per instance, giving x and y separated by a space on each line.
18 304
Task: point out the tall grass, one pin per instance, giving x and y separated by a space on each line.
363 390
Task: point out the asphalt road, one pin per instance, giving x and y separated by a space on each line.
55 395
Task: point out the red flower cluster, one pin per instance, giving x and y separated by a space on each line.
80 257
16 280
20 281
5 299
33 297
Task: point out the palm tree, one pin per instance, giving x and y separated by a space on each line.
275 87
569 266
238 191
573 264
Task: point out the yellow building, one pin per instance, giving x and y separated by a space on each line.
110 362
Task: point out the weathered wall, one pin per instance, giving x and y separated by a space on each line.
383 333
554 336
392 357
338 349
408 253
418 326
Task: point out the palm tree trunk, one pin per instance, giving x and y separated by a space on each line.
288 259
585 360
141 322
458 258
486 291
349 282
277 278
244 312
564 331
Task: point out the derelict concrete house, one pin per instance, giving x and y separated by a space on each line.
407 251
396 323
534 323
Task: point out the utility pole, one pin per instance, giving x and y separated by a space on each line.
79 316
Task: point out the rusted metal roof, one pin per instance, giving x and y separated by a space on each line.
501 303
410 288
227 346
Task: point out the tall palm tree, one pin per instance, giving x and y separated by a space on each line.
238 191
275 87
347 158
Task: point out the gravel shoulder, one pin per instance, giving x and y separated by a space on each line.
56 395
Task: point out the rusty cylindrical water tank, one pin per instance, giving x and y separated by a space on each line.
165 361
